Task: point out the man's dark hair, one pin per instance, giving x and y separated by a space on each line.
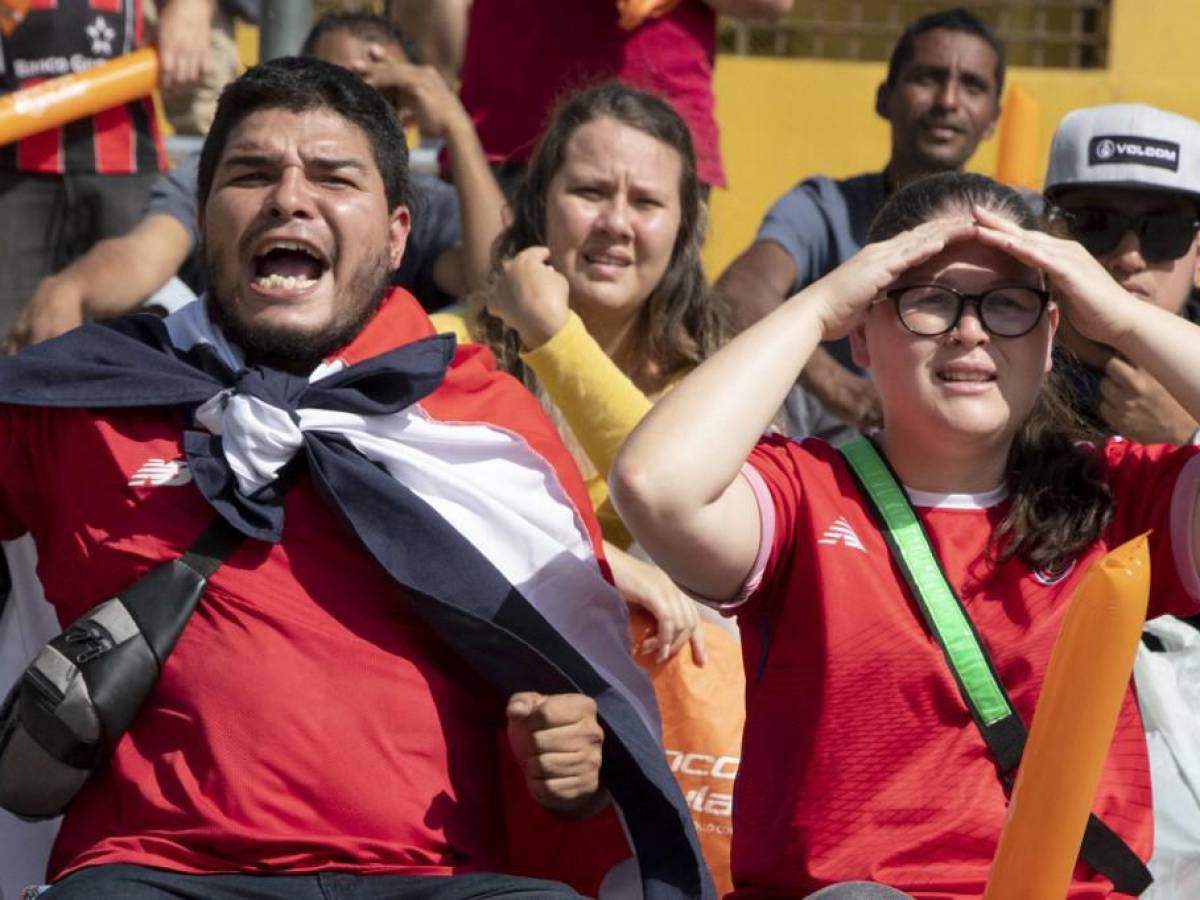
299 84
363 25
957 19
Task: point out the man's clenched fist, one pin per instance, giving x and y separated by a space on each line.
558 745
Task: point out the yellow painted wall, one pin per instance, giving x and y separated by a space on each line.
782 120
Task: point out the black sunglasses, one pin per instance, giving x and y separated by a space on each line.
933 309
1162 236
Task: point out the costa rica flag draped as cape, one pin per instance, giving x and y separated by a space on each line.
453 479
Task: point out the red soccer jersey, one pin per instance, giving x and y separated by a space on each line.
306 720
860 759
560 47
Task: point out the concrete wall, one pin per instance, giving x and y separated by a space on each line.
784 119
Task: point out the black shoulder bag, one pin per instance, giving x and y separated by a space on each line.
82 692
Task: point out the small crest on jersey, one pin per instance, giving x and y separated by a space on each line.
1051 577
101 35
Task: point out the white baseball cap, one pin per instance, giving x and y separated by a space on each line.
1125 145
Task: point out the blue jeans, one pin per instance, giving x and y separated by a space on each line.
124 882
858 890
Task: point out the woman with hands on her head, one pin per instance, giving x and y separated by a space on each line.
600 303
860 757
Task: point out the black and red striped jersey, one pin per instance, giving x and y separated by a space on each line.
58 37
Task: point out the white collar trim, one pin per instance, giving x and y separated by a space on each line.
932 500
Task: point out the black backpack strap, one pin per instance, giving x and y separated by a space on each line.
214 545
1106 852
183 580
948 622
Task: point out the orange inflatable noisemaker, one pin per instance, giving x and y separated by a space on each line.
1018 153
80 94
1072 728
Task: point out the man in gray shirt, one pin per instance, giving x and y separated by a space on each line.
941 98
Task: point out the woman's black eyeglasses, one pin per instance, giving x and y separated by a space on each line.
933 309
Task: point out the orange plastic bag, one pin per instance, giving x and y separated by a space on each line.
703 711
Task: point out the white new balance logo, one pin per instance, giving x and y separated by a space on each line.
161 473
840 532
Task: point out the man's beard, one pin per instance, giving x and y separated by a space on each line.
296 350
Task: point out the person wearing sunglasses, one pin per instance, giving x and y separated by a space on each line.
1124 181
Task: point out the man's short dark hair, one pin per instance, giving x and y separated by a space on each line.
958 19
300 84
363 25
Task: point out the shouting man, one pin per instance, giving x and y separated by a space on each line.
409 569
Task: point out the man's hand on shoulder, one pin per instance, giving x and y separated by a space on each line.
1136 406
558 743
56 307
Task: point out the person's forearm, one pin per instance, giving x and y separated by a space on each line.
480 200
693 442
114 278
747 294
600 402
1166 346
118 274
675 481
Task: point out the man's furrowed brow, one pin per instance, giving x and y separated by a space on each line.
249 158
333 163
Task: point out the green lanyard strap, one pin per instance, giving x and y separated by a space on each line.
980 686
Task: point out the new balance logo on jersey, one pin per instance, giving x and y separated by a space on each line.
161 473
840 532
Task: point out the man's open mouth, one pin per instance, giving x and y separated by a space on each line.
287 265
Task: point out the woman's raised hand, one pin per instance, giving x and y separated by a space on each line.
1098 307
531 297
677 615
847 291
